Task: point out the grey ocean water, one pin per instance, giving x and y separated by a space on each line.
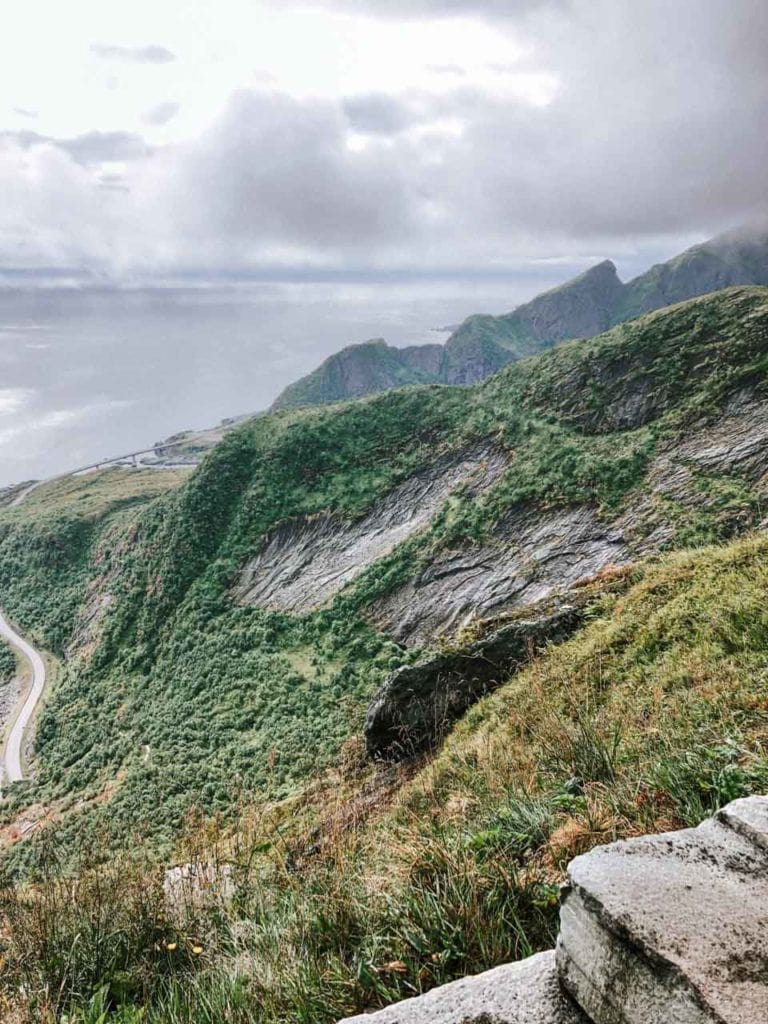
88 373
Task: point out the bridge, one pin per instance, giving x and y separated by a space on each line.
115 460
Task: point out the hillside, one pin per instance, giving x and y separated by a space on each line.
235 644
580 308
363 370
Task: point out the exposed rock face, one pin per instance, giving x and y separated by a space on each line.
303 563
579 309
672 927
666 929
534 554
418 703
524 993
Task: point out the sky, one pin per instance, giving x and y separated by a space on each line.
149 143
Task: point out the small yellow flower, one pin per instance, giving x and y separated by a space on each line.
171 946
197 950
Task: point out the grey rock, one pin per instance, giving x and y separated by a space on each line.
534 554
737 443
749 817
305 562
672 928
521 993
418 703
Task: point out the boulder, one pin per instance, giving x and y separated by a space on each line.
418 703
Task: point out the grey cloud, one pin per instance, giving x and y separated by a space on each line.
278 171
23 112
443 8
96 147
134 54
632 150
89 148
633 145
376 114
161 114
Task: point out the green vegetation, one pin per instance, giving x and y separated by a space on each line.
50 545
361 370
7 663
175 696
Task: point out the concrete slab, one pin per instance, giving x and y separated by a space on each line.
521 993
672 929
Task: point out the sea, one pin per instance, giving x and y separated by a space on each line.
89 373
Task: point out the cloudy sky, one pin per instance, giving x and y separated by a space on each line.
270 138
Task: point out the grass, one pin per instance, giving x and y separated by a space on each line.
371 886
94 494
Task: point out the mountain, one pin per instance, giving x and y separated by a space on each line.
361 370
580 308
382 668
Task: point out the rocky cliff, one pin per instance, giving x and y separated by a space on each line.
580 308
534 549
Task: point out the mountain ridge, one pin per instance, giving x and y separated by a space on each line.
582 307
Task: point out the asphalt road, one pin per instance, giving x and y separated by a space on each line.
11 756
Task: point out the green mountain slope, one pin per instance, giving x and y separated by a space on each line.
179 692
363 370
223 635
580 308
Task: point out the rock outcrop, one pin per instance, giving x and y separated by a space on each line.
533 554
305 562
666 929
672 927
416 706
524 993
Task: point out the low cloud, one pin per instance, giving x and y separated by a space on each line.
133 54
376 114
161 114
630 152
443 8
89 148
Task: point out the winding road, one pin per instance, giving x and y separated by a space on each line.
11 756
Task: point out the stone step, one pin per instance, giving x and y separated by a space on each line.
672 929
527 992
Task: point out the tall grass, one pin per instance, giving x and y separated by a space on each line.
374 886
